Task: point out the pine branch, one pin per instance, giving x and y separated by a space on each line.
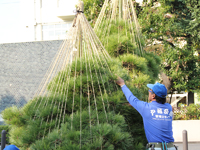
170 43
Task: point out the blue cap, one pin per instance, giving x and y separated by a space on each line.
11 147
159 89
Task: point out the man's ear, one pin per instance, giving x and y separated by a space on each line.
153 96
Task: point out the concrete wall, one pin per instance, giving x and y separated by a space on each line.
22 68
192 127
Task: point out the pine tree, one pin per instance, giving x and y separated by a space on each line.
46 121
42 117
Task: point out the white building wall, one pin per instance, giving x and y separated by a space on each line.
196 99
54 18
27 20
34 14
192 128
37 11
31 16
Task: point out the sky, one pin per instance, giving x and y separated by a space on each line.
9 19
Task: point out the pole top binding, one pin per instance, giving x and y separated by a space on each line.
80 7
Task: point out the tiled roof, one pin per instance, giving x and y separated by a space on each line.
22 68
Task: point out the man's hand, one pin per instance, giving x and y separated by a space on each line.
120 81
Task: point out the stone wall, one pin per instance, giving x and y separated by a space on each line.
22 68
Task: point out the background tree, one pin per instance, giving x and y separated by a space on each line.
92 9
172 31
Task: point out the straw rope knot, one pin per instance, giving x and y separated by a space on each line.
78 11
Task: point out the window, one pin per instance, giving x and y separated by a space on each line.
55 31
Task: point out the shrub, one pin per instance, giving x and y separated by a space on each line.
119 38
106 135
191 112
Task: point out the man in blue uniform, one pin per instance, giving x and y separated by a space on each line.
157 115
11 147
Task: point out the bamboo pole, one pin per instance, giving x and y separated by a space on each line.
120 9
80 9
80 40
80 6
